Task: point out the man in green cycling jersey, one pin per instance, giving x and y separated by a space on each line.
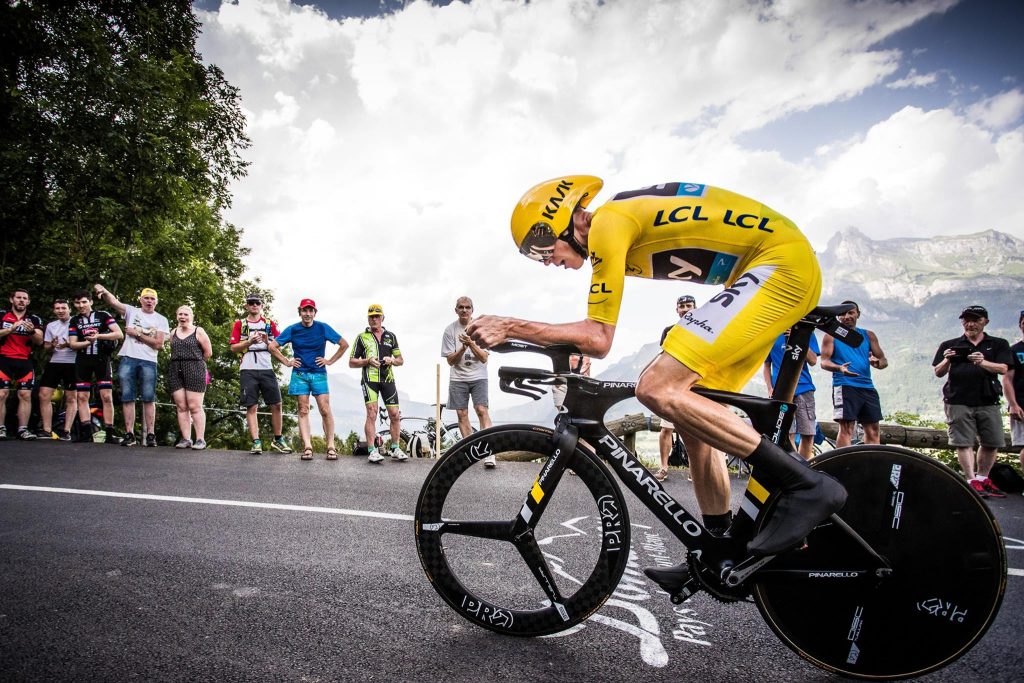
376 352
700 234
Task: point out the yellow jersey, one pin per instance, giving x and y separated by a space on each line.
679 231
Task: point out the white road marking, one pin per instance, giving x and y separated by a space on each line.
212 501
249 504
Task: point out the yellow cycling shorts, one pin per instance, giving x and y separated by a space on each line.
727 339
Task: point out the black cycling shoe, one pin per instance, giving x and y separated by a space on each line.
670 579
797 513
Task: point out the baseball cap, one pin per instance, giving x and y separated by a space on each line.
253 297
307 303
974 312
375 309
685 299
148 291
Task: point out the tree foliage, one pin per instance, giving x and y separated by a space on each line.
117 150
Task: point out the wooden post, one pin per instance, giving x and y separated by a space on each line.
437 413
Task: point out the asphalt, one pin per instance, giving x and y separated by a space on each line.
157 564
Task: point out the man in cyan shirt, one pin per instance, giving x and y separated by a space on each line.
854 397
309 338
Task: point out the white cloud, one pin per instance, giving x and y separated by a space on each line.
1005 109
387 152
914 80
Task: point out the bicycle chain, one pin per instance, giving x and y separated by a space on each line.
712 585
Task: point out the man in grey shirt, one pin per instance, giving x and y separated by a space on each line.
468 371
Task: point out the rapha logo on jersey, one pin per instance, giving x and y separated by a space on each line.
555 201
708 321
693 265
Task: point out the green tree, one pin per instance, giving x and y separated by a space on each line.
117 150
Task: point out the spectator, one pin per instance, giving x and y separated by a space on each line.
805 422
973 363
59 372
683 304
187 377
1013 387
94 336
579 365
145 332
854 398
468 374
376 352
309 338
251 338
19 332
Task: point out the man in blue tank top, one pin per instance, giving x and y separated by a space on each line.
854 398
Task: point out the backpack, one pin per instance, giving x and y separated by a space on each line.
677 457
419 446
1006 478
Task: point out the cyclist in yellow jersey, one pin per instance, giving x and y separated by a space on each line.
692 233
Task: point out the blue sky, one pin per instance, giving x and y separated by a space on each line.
974 49
391 141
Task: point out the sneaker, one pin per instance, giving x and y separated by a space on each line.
183 443
129 440
979 488
490 463
199 445
257 447
992 489
3 432
63 435
25 435
374 456
279 445
150 440
111 438
44 434
398 454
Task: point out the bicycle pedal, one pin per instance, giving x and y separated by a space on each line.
685 593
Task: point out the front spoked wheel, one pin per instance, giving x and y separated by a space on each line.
508 573
940 592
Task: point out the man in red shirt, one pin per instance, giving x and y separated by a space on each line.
19 332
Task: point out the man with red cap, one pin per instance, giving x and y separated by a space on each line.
309 338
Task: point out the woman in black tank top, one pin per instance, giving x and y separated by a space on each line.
187 377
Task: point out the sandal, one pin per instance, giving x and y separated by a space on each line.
661 474
332 454
307 454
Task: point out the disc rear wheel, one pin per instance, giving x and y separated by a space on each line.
947 560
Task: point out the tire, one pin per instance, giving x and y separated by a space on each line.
451 435
483 575
948 570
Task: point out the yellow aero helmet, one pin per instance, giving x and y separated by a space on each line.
544 214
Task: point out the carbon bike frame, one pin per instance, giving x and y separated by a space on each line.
582 419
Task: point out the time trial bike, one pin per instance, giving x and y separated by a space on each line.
905 579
